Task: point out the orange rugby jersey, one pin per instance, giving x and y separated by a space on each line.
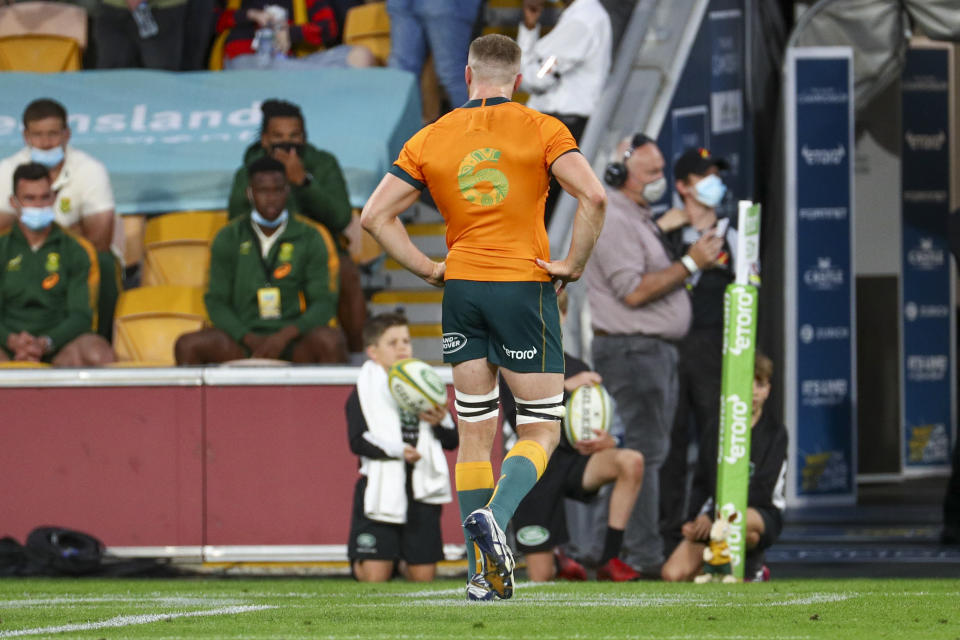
487 167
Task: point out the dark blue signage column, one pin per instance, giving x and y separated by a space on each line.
820 378
926 311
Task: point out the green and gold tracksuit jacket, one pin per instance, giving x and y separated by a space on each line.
51 291
302 267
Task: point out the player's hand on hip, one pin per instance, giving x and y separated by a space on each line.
561 272
436 276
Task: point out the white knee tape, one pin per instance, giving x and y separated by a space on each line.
543 410
474 408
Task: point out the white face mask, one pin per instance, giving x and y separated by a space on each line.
709 191
47 157
37 218
653 191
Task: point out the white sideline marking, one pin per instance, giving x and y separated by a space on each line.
814 598
126 621
172 601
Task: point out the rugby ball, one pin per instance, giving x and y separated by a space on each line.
589 407
416 386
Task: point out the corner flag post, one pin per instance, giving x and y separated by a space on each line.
736 400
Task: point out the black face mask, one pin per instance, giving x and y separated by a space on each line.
289 146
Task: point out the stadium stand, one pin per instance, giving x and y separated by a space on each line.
149 320
369 25
43 37
177 247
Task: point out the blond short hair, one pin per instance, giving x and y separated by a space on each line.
494 58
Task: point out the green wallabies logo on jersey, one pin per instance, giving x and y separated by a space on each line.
53 262
469 177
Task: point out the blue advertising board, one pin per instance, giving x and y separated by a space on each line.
707 109
927 315
172 141
820 376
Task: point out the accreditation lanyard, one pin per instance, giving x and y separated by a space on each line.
268 297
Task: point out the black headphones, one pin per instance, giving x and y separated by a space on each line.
616 172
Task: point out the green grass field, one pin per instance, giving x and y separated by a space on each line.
335 608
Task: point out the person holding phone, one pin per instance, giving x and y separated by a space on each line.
700 187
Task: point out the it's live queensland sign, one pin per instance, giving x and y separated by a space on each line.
820 376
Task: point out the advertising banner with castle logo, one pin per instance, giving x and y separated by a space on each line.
927 311
819 372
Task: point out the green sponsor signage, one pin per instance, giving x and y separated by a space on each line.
736 400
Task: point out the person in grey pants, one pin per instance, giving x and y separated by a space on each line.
640 309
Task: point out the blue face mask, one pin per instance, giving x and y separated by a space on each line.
710 191
47 157
37 218
269 224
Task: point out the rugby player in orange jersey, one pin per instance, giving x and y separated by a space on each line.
487 166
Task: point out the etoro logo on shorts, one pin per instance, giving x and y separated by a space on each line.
520 354
453 342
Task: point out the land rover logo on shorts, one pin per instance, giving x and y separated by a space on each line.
520 354
366 541
468 177
532 535
453 342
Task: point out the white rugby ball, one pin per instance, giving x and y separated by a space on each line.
589 407
416 386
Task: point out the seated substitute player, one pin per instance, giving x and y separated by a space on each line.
84 198
576 471
318 191
48 282
765 500
273 284
487 166
404 476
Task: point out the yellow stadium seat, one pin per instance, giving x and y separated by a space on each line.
369 25
39 54
38 17
149 320
177 247
17 364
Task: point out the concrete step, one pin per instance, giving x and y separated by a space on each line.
429 238
419 313
400 279
427 342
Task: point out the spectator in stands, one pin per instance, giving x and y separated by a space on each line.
318 190
701 189
84 199
48 282
440 27
404 478
140 33
273 284
640 310
565 70
313 44
765 500
575 471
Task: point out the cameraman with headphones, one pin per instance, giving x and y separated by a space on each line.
640 310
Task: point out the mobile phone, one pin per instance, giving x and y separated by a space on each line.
721 228
547 66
